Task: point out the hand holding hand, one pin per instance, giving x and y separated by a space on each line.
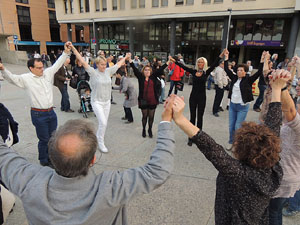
263 55
171 59
1 66
68 46
167 113
226 54
296 61
279 78
223 53
178 108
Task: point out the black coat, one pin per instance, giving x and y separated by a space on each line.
246 82
153 77
6 121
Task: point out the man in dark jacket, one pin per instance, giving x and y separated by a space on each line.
61 79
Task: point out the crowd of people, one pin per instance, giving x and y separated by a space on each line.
254 183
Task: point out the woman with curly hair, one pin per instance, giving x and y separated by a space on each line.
247 181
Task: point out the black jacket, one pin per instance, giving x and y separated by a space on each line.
153 77
246 82
7 120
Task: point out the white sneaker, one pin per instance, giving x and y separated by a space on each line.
103 148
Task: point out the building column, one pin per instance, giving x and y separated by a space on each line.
172 37
131 39
293 35
225 31
69 28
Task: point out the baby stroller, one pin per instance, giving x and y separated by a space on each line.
84 94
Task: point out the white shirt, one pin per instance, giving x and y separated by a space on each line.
236 96
220 77
101 83
39 88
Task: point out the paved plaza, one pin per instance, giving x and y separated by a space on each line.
187 198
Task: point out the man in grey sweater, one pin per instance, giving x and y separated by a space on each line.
72 194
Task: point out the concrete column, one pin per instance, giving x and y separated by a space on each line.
131 38
69 32
172 37
224 36
293 35
241 55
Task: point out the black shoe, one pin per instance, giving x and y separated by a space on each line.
144 133
127 122
190 143
227 107
221 109
70 111
124 118
216 114
113 103
150 133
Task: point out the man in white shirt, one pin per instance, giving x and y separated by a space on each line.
39 85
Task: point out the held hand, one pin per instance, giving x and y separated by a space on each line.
1 66
68 79
223 53
67 46
128 56
178 108
279 79
171 59
263 55
267 56
167 113
296 61
226 54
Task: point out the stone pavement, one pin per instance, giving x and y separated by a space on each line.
187 198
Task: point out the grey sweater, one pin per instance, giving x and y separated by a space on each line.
49 198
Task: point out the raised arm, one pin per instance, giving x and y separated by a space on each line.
229 73
160 71
12 78
80 58
259 72
190 70
136 72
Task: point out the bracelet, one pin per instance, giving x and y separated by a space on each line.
285 88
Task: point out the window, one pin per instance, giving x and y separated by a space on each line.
179 2
122 4
190 2
87 5
219 30
54 26
97 5
51 4
22 1
205 1
104 5
24 21
278 30
203 30
267 30
211 29
133 4
248 31
71 6
66 6
155 3
115 4
79 33
52 17
164 3
218 1
239 31
142 4
81 6
195 30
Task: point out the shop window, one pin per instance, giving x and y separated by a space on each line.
164 3
278 30
51 4
178 31
115 4
97 5
22 1
239 31
155 3
258 30
104 5
87 5
206 1
248 31
267 30
219 32
152 32
66 6
190 2
165 31
187 31
122 4
71 6
133 4
218 1
211 29
142 4
81 9
179 2
203 31
195 30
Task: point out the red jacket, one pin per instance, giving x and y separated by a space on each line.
178 72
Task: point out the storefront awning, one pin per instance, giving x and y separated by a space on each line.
50 43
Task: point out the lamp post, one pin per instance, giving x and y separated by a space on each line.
228 27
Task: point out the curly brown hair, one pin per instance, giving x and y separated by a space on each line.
256 145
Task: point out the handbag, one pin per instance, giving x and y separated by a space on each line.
144 102
179 86
73 82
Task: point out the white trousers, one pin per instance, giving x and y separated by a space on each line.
101 109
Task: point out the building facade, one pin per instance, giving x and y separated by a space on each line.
193 28
31 25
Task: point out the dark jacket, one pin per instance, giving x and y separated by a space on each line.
60 77
82 75
246 82
6 121
243 192
153 77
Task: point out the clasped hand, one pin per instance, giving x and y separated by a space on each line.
173 108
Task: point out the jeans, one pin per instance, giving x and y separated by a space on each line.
172 84
162 95
218 99
275 211
294 202
65 103
101 109
260 98
128 114
210 80
237 115
45 123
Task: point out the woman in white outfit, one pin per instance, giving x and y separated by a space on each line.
100 82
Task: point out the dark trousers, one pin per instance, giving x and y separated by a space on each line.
128 114
218 99
1 212
65 102
45 123
197 107
275 211
260 97
172 84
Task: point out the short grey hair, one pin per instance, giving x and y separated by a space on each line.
79 163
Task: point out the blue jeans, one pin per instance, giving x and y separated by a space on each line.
45 123
162 95
210 80
294 202
275 211
237 115
65 102
260 97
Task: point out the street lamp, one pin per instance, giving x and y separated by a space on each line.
229 24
